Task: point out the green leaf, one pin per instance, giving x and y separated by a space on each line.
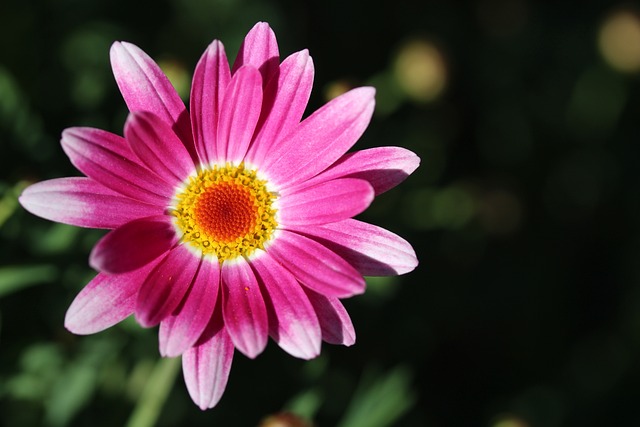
16 278
380 400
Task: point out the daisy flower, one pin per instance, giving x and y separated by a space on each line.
233 221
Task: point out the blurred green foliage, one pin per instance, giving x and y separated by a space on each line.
525 215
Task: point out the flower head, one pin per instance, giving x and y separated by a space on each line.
232 221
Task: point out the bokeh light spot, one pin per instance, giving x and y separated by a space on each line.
596 104
178 76
453 207
284 419
420 70
448 208
510 421
336 88
619 41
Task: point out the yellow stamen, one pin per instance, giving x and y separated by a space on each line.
225 211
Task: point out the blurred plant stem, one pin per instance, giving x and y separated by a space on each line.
9 201
381 399
155 393
16 278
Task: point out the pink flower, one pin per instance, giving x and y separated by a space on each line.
230 222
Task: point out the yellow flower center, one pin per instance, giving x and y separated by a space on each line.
225 211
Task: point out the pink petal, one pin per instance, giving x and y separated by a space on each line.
326 202
383 167
165 287
243 309
259 50
210 81
285 99
181 330
107 140
84 203
133 245
101 156
320 139
206 366
145 87
239 114
105 301
373 250
334 320
158 147
293 323
316 266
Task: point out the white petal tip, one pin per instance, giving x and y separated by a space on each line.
117 49
250 353
171 351
304 354
78 326
366 91
73 328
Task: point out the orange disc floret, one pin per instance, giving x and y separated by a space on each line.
225 211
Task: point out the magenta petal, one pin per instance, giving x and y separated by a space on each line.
326 202
105 301
293 323
98 137
83 202
210 81
206 367
164 288
321 138
243 309
181 330
259 50
285 99
382 167
372 250
145 87
158 147
334 320
133 245
107 158
239 114
316 266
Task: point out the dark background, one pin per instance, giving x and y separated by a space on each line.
525 214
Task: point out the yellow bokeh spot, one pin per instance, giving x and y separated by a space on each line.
619 41
511 422
178 75
226 212
420 70
336 88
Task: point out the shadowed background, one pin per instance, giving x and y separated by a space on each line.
525 215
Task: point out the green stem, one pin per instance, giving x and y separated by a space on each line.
155 393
